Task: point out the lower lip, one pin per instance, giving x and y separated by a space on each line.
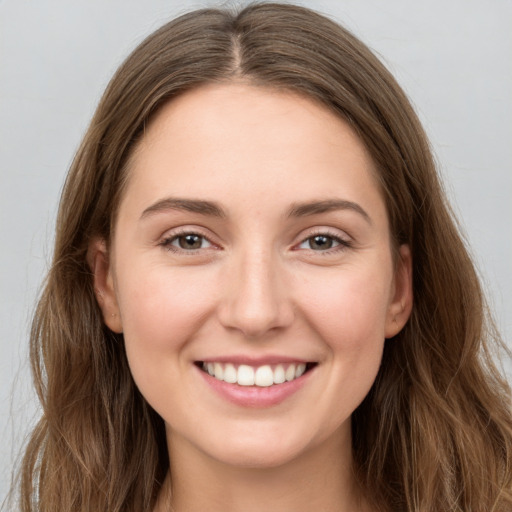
256 396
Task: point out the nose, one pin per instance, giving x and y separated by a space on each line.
255 298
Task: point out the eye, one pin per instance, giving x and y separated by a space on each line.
323 242
187 242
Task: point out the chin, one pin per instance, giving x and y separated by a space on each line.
257 458
259 451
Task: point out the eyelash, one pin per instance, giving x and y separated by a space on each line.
342 243
166 243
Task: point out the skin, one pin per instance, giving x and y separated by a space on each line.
256 286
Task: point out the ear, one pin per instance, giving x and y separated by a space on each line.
400 306
98 259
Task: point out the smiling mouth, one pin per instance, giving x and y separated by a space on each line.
261 376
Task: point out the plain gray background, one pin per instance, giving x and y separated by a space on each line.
453 57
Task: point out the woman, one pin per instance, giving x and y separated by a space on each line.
259 297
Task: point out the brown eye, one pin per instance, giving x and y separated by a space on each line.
190 241
323 242
320 242
187 242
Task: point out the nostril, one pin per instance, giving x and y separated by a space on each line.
255 305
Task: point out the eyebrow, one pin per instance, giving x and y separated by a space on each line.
317 207
190 205
212 209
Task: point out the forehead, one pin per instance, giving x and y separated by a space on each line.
224 142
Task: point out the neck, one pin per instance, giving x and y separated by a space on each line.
320 479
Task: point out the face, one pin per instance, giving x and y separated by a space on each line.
251 273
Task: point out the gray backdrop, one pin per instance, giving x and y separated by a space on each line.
452 57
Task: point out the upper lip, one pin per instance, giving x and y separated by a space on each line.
255 361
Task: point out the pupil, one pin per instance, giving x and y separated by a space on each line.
320 242
190 242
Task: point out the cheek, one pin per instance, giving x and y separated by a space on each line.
348 307
349 315
161 309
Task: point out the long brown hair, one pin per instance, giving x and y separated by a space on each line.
435 431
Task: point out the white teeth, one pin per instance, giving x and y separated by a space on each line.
301 368
290 373
230 374
245 375
262 376
279 377
219 371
